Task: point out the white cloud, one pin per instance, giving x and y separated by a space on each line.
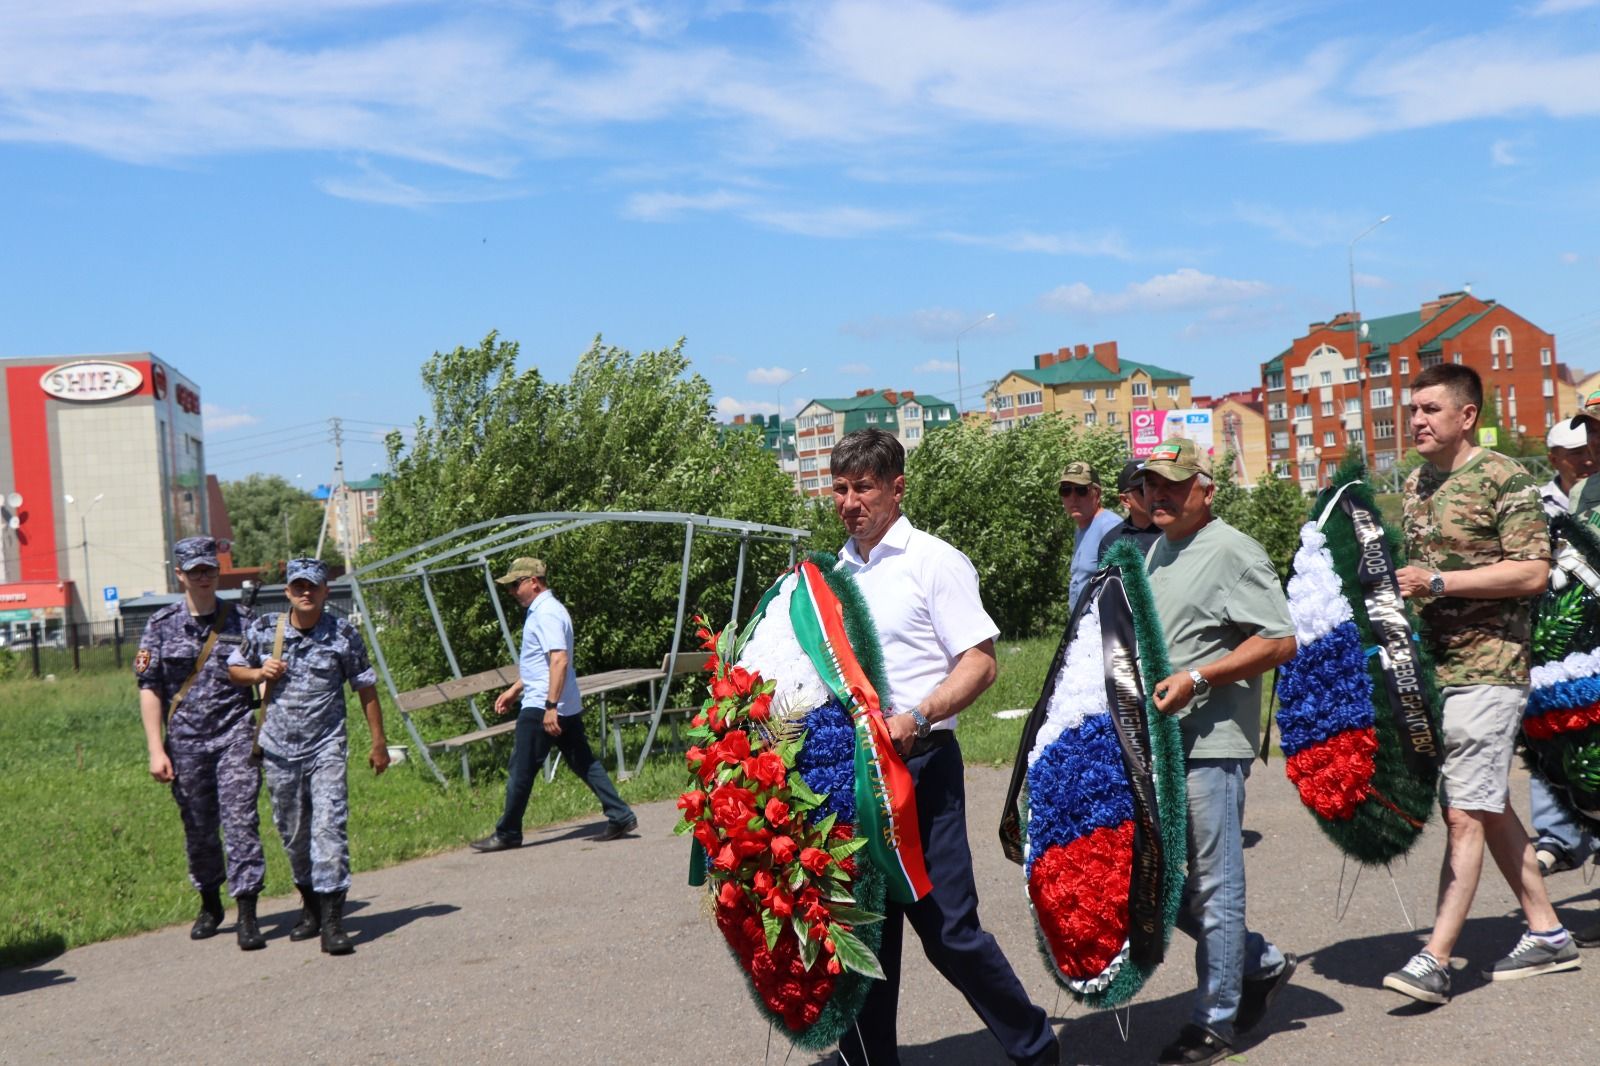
374 186
219 419
1181 290
727 406
665 206
1111 245
769 375
1501 154
854 369
936 366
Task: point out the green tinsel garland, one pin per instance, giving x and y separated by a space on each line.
1376 835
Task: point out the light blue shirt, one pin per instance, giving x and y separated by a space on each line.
547 628
1086 552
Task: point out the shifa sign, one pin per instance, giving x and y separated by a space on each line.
91 379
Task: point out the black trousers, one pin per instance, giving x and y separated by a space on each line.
947 922
528 754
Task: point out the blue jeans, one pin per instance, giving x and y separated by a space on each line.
532 745
1212 912
1553 825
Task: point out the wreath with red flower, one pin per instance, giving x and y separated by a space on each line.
773 806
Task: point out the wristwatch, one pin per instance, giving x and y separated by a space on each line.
1201 685
1436 585
551 705
923 725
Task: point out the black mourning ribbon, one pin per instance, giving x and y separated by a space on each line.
1386 614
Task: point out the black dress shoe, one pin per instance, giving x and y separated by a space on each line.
1257 997
495 842
1196 1046
615 831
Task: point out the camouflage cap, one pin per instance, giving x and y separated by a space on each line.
306 569
524 566
191 552
1591 406
1178 460
1079 473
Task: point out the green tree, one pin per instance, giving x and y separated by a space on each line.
994 496
1273 516
272 521
1232 501
627 433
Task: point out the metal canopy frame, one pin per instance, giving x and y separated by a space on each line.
470 547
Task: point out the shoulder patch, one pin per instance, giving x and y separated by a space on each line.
141 660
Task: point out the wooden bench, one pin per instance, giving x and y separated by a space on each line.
688 663
499 678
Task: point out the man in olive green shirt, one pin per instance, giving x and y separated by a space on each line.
1479 549
1226 622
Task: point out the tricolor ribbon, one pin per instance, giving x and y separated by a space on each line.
886 803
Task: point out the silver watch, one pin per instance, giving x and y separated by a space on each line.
923 725
1436 585
1201 685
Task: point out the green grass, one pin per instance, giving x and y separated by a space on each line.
91 848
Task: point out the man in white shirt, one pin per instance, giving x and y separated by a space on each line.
938 654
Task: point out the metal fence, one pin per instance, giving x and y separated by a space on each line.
33 650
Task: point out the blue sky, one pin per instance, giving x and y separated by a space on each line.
296 201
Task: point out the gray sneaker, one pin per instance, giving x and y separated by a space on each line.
1533 956
1423 978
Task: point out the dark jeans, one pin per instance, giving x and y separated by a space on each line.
533 744
946 920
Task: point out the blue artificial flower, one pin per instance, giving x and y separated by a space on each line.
1077 785
1564 696
1324 690
827 760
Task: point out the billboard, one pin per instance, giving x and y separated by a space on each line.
1148 428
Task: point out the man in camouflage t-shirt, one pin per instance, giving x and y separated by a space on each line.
1479 550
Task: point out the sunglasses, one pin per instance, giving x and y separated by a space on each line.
1076 490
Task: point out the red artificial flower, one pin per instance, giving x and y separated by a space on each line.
783 850
692 804
707 836
722 687
726 859
777 811
780 903
817 915
712 662
741 679
761 707
708 639
733 748
732 806
729 895
762 882
834 967
766 769
816 861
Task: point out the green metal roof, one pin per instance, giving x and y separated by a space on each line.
1465 323
877 402
375 483
1071 371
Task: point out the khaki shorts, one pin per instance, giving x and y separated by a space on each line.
1480 732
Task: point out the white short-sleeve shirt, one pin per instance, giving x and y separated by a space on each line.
923 594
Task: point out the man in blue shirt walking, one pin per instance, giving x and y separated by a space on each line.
546 694
1080 498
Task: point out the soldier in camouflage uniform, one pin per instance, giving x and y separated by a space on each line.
205 753
1479 549
304 744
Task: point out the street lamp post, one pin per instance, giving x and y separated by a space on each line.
959 335
1353 241
88 582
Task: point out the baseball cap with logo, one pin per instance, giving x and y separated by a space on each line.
191 552
1177 460
1591 406
1078 473
524 566
1567 433
306 569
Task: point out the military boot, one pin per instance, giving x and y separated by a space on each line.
310 923
334 942
250 938
210 916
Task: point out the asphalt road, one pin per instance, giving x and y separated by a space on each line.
574 951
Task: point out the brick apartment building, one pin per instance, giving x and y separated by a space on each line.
1239 426
1094 385
1343 387
820 423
